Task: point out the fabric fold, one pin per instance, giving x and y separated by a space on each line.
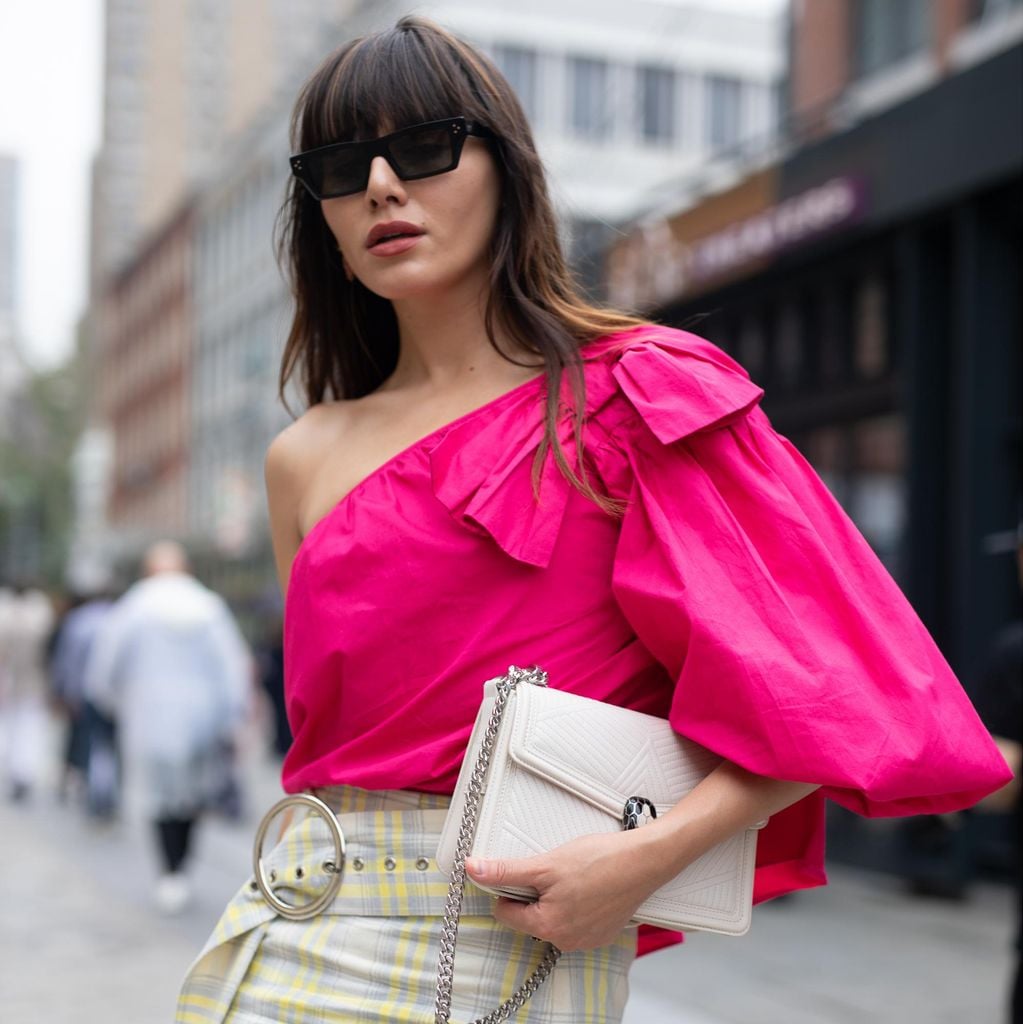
681 384
794 653
482 473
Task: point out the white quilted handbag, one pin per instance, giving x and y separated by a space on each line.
544 767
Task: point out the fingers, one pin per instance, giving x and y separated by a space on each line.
520 917
525 871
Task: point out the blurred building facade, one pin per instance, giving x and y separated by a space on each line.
866 272
178 80
241 311
622 97
147 328
181 83
90 556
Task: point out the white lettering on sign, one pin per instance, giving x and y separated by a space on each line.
652 266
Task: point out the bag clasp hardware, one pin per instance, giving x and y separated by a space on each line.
637 811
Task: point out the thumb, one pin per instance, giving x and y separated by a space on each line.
523 871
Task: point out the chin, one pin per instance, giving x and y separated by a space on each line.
399 287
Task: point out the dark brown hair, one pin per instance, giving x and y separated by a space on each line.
344 338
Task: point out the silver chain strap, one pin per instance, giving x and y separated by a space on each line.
456 888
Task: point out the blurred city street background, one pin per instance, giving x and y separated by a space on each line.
830 190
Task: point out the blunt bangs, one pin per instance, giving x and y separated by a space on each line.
388 81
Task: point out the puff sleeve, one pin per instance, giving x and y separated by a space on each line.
792 651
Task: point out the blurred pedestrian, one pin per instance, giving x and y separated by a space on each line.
270 661
26 622
493 471
170 666
999 699
89 756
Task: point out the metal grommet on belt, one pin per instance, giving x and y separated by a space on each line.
334 867
422 863
390 863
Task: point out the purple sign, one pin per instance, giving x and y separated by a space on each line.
654 266
801 219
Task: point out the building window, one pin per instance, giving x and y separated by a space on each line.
752 346
657 104
870 352
833 333
886 32
877 485
724 108
863 464
519 67
824 449
590 107
788 353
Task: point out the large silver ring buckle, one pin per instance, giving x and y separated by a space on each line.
334 868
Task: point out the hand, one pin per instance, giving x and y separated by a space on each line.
588 890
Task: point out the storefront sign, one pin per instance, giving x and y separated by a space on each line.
655 266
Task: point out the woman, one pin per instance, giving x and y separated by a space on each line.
493 472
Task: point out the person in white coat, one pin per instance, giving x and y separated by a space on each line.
26 619
171 666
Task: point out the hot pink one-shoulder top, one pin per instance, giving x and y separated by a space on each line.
733 597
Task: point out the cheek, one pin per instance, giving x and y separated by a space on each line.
472 215
340 222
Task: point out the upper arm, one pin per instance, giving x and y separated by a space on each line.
284 488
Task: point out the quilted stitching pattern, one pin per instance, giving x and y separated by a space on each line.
564 765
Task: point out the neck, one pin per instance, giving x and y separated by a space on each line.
444 343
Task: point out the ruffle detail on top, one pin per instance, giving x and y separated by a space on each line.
482 471
680 384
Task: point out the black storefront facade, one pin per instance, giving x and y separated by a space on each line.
887 337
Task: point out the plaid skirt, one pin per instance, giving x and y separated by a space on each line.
371 956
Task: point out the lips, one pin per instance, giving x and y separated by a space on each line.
390 231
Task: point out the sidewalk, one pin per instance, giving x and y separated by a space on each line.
80 943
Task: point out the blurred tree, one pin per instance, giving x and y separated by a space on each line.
36 497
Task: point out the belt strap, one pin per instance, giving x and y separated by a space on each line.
389 868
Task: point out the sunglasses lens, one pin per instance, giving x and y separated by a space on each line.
341 172
424 152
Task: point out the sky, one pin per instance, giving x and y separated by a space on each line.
50 117
50 112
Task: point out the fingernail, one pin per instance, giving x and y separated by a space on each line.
476 867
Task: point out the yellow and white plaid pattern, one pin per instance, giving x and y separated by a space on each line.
371 956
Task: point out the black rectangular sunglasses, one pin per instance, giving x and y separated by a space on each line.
419 151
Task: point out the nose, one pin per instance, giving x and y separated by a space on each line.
384 185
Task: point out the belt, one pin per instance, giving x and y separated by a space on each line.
384 858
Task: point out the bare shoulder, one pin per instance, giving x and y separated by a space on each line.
299 447
290 466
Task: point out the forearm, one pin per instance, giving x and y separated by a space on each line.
590 887
728 801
